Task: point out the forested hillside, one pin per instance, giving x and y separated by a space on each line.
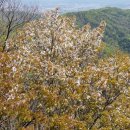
118 24
53 75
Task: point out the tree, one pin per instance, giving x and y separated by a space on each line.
13 15
117 30
60 82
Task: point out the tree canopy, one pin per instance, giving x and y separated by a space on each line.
53 77
117 32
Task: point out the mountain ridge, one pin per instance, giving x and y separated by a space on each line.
118 24
76 5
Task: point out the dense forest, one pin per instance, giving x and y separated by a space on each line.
53 75
117 31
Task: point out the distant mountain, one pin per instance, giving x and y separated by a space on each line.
76 5
118 24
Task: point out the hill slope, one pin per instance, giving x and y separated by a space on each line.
118 24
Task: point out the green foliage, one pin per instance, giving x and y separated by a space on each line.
109 50
118 24
52 78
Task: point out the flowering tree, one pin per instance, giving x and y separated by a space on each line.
53 78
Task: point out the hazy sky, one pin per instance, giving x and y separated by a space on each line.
78 4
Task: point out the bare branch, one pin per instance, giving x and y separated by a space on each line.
14 14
